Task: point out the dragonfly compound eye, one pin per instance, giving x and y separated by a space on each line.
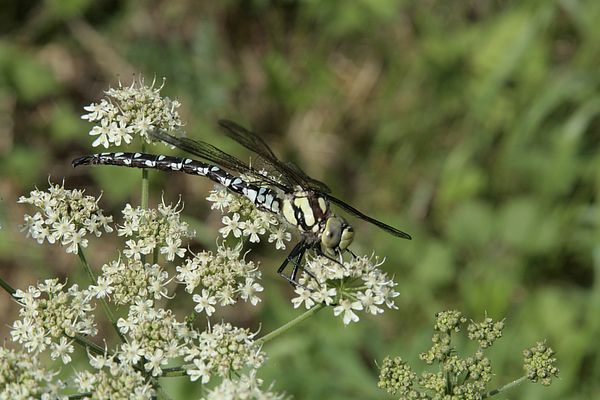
332 234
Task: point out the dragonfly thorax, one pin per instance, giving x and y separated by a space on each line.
305 210
311 214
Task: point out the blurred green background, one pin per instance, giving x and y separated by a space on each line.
473 125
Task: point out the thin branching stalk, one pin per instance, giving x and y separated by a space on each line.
80 396
107 310
284 328
9 289
504 388
145 183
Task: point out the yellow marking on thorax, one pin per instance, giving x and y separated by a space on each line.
304 205
322 205
288 212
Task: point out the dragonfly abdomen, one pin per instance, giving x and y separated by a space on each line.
262 197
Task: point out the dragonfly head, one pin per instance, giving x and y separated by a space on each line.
336 236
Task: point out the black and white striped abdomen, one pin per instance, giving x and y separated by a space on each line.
262 197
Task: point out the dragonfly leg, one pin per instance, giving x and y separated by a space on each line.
299 249
307 271
322 254
350 251
297 262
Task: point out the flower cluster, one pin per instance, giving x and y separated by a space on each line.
154 334
446 323
223 278
456 377
154 229
245 387
126 281
113 380
485 332
131 110
22 377
65 216
396 376
223 350
246 220
354 285
540 364
48 312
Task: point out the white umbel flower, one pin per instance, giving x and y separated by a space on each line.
64 216
129 111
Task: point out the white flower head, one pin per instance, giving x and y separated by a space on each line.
160 228
243 219
222 278
64 216
48 312
246 386
352 286
222 350
115 380
23 376
129 111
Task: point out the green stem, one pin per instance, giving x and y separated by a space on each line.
84 342
9 289
504 388
107 310
176 371
155 256
291 324
145 183
80 396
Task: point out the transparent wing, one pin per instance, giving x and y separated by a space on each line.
289 171
351 210
214 155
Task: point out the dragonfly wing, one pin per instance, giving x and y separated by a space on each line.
214 155
351 210
289 171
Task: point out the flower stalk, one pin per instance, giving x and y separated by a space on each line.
93 281
284 328
504 388
145 183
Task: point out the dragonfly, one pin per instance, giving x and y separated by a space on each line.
287 191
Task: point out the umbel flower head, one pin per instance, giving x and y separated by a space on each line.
396 376
112 380
540 364
154 334
64 216
352 286
223 350
48 313
131 110
152 229
245 220
456 377
222 277
247 386
22 376
124 281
